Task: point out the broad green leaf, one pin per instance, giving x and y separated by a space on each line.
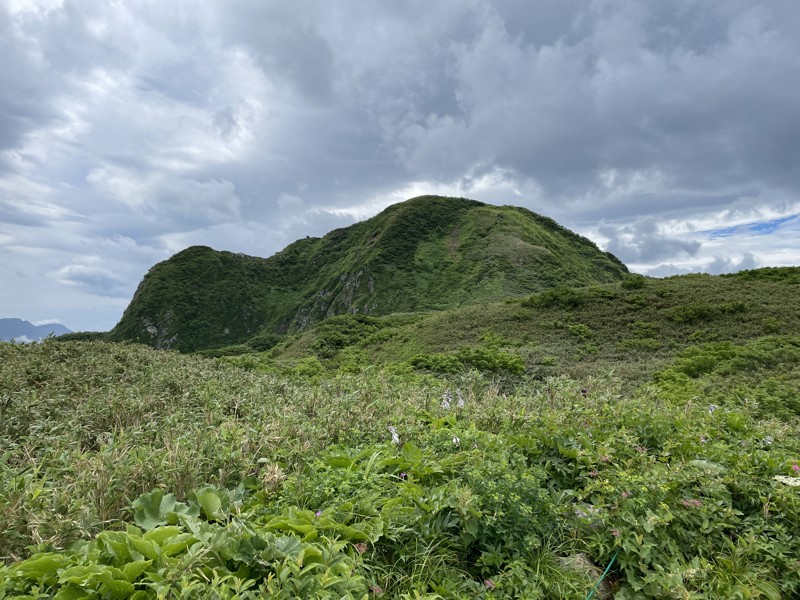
72 592
132 570
339 462
212 501
178 544
152 509
147 548
411 453
161 534
471 525
114 545
42 567
110 581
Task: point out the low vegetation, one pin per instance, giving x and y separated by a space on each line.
634 328
133 473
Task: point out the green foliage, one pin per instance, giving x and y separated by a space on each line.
336 333
223 557
763 372
313 471
697 311
772 325
783 275
634 282
83 336
486 359
645 343
429 253
437 363
527 493
559 297
580 331
634 331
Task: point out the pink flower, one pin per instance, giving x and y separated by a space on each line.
640 448
376 589
489 584
593 473
615 532
796 468
361 547
626 494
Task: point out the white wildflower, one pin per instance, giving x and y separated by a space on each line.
446 398
395 437
792 481
456 440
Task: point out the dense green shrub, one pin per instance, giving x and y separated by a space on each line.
634 282
560 297
691 313
486 359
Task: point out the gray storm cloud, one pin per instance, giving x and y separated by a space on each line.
248 125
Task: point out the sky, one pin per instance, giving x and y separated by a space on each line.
666 132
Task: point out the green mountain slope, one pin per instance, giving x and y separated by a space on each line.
428 253
633 327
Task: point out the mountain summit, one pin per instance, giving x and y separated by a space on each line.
428 253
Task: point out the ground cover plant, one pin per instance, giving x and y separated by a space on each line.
132 473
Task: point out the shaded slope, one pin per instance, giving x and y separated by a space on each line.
429 253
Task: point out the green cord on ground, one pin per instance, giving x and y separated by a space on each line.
603 576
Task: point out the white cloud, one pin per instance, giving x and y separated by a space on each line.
96 279
47 322
128 130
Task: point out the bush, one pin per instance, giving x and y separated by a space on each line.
634 282
646 343
691 313
557 297
488 360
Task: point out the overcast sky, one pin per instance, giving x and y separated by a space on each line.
667 132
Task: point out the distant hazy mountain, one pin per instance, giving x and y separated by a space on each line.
23 331
428 253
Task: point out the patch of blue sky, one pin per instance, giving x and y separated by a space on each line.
757 227
770 226
724 232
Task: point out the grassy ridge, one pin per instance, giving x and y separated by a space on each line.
429 253
633 327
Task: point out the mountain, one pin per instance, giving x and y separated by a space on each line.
23 331
428 253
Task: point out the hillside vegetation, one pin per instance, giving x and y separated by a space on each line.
633 327
134 473
428 253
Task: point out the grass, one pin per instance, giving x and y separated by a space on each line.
266 486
